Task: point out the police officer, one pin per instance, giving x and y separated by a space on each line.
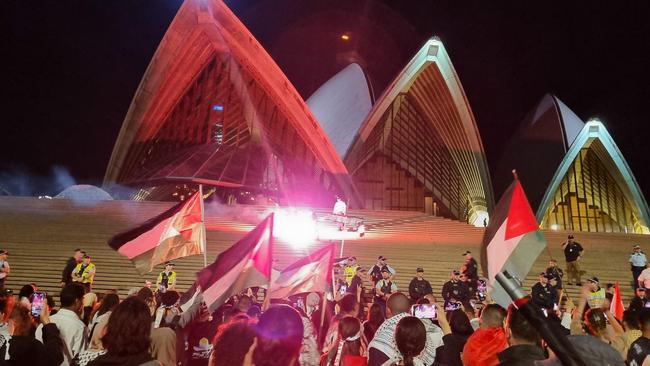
384 288
167 278
84 273
572 253
553 272
419 286
455 290
638 262
543 294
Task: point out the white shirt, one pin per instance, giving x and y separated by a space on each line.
638 259
340 208
644 278
73 332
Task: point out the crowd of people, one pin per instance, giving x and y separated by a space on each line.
459 325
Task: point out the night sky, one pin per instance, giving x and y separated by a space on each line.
71 68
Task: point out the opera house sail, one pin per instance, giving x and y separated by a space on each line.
214 108
419 148
575 175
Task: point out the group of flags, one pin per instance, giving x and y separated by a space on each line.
180 232
512 242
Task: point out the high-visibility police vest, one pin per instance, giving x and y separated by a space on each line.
171 278
83 273
350 272
596 300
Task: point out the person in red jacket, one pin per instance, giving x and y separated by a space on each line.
483 345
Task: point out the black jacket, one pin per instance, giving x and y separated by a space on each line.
450 353
522 355
66 275
455 290
26 350
471 269
417 288
544 296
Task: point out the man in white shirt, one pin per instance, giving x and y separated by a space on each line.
638 263
644 278
73 331
4 267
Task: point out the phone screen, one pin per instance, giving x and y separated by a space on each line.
424 311
343 289
451 306
38 301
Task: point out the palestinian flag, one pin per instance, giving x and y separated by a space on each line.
245 264
512 241
312 273
176 233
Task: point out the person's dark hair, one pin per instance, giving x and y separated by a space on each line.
520 328
410 337
349 327
459 323
254 311
145 294
169 298
279 337
595 322
348 303
23 323
644 319
71 293
50 301
231 343
422 301
631 319
493 315
109 302
129 328
374 320
3 303
26 291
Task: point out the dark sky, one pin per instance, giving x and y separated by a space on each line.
70 68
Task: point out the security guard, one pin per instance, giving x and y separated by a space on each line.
167 278
543 294
638 262
455 290
84 273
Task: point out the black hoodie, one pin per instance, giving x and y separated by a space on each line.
26 350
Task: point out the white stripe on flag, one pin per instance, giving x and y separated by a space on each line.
145 242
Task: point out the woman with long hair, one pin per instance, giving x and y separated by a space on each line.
410 338
375 318
100 318
127 336
461 328
351 350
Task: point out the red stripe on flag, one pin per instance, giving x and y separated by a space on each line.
521 219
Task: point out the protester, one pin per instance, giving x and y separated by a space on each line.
523 339
640 349
84 273
231 346
66 275
555 273
638 262
375 319
100 319
128 336
4 267
592 352
455 292
543 295
410 340
595 322
632 330
419 286
25 295
167 278
68 320
450 352
382 348
485 343
572 253
278 337
348 306
351 347
644 278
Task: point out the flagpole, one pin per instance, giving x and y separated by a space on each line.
205 237
342 245
267 299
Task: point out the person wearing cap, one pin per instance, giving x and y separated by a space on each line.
637 303
356 284
638 262
70 265
572 253
555 273
543 294
384 288
471 267
455 290
167 278
84 273
375 275
4 268
597 294
350 269
419 286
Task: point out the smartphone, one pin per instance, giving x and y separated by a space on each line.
451 306
424 311
647 305
545 312
343 289
39 300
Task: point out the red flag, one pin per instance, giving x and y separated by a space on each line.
245 264
312 273
616 307
511 241
176 233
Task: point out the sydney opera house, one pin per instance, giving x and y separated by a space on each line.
213 108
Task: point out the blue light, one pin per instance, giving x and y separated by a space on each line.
217 107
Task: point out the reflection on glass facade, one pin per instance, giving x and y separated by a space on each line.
590 199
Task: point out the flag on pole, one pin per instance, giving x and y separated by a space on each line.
616 307
512 241
312 273
176 233
245 264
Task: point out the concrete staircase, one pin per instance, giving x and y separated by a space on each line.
41 234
